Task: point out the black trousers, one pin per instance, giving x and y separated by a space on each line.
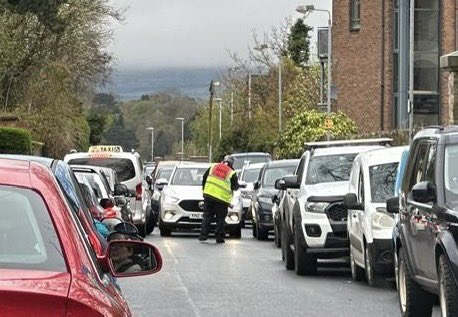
214 209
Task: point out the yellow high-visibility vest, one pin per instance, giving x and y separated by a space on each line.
218 184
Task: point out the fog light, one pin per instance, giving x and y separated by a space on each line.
234 217
168 215
313 230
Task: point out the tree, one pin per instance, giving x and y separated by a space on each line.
299 43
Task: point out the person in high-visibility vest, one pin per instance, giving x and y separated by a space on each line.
218 183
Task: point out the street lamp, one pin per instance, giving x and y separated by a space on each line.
220 115
261 48
152 142
182 137
213 85
305 9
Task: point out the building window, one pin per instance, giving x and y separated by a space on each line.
355 14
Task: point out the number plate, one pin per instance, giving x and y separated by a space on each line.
196 215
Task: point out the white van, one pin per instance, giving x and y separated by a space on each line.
129 168
370 227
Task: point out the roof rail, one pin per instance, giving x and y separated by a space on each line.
323 144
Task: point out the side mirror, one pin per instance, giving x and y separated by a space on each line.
392 205
291 182
274 199
161 183
126 227
149 180
243 184
424 192
120 190
106 203
351 202
256 185
280 184
133 258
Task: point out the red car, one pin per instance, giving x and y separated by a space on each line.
47 266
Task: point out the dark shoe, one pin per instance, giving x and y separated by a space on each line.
202 238
220 241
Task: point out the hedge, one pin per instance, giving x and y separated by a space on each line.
15 141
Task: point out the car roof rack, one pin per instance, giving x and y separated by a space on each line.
324 144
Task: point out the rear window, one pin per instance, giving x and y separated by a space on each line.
28 240
123 167
382 178
241 161
330 168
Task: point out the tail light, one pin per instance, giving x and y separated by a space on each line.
110 213
138 191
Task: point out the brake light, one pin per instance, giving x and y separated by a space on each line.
138 191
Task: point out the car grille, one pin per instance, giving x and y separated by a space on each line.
191 205
337 212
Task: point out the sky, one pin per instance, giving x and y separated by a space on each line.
197 33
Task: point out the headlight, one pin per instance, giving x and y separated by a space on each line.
170 200
316 207
265 200
382 220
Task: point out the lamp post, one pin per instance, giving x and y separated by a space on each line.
212 89
261 48
152 142
310 8
220 115
182 137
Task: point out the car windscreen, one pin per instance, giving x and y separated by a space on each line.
188 176
329 168
382 178
240 161
451 176
123 167
28 239
96 183
251 175
273 173
165 173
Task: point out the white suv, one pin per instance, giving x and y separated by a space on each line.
370 227
129 168
314 220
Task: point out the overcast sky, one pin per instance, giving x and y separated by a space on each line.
197 33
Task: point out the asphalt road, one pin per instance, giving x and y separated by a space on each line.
247 277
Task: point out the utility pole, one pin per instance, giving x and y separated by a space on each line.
411 67
152 142
210 135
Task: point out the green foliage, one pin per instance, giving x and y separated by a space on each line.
15 141
298 44
118 134
98 123
309 126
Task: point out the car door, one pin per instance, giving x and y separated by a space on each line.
354 216
292 194
414 216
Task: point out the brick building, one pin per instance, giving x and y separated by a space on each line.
370 61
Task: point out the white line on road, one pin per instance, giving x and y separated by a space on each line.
180 280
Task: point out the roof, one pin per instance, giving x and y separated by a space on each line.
193 165
315 145
345 150
43 160
382 156
250 154
254 166
280 163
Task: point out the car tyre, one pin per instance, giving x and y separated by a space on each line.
357 272
414 301
448 290
142 231
306 264
277 238
236 232
369 265
261 234
287 253
150 223
165 232
254 228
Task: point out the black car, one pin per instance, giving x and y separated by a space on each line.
264 187
426 253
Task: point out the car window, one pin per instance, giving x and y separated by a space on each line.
382 179
251 175
96 183
123 167
300 169
164 173
330 168
417 170
361 198
188 176
28 239
273 173
451 176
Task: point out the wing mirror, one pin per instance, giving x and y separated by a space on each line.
121 190
392 205
161 183
149 180
424 192
280 184
256 185
351 202
243 184
291 182
132 258
106 203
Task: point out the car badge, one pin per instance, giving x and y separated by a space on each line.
201 205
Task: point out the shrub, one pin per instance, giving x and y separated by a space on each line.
15 141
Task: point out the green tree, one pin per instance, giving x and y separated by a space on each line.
298 44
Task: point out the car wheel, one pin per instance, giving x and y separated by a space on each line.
288 255
369 265
254 228
261 234
396 268
414 301
448 290
306 264
357 272
150 222
142 230
235 232
277 236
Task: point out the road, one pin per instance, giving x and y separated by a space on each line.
246 277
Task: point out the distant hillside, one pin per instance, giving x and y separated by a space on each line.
131 84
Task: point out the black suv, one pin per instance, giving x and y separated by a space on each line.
426 254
